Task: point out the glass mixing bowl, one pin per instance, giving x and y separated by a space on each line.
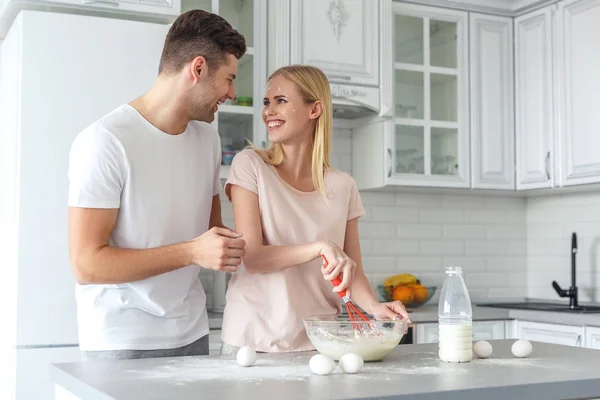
336 335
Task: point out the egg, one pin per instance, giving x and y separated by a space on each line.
321 364
521 348
246 356
482 349
351 363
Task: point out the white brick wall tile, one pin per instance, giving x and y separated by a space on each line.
463 202
486 279
517 279
468 264
509 293
395 214
486 216
395 247
583 229
463 231
417 264
540 264
442 247
366 246
545 231
442 216
507 264
419 231
378 199
478 294
377 229
379 264
368 215
488 247
555 247
418 200
516 217
517 247
508 203
506 232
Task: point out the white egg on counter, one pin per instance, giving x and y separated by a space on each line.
321 364
521 348
351 363
246 356
483 349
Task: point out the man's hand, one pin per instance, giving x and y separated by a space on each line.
220 249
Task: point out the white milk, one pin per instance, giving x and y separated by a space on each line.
456 342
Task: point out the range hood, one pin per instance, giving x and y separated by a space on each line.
356 101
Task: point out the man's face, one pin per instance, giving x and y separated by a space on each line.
216 87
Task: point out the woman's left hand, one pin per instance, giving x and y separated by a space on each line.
390 311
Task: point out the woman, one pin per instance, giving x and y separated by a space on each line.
294 211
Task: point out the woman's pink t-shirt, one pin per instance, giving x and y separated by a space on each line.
265 311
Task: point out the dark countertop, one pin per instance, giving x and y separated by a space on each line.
410 372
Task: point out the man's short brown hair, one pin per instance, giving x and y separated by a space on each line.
200 33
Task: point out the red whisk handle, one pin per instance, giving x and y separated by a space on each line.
335 281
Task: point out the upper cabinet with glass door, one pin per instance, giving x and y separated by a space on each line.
239 120
430 144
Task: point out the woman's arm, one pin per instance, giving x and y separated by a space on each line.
260 258
361 290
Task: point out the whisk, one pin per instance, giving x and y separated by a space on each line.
360 322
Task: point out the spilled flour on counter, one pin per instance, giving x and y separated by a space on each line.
191 369
295 368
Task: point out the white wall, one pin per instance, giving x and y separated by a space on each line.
550 223
422 233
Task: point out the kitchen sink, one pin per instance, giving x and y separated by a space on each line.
539 306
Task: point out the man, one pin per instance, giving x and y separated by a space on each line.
144 208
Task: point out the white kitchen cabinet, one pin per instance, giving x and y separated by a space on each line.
551 333
240 120
492 107
579 85
151 10
339 36
534 100
482 330
427 141
430 142
592 337
214 342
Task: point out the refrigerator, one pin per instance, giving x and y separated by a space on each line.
58 74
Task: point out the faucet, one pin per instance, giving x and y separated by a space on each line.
571 293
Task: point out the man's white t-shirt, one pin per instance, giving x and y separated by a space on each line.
163 186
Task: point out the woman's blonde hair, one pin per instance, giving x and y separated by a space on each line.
313 86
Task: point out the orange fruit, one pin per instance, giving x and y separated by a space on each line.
404 294
420 293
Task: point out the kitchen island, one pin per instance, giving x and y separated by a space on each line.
410 372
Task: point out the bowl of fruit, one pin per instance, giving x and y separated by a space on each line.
407 289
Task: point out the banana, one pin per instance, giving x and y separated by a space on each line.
401 279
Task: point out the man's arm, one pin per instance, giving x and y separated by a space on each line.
216 218
95 262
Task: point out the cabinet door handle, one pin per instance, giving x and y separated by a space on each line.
263 144
101 2
389 152
547 165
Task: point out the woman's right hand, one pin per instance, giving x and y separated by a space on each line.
337 263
